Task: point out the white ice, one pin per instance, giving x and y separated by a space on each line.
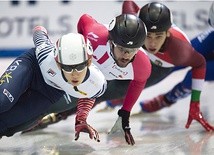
162 133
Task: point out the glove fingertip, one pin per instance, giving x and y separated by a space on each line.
76 136
187 126
91 136
98 140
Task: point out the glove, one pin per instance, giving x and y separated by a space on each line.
122 124
117 126
83 107
194 113
125 125
84 127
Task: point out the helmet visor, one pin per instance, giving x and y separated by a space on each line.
71 68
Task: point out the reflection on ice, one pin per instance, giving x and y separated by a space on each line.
163 132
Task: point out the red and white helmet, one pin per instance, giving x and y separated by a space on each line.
72 49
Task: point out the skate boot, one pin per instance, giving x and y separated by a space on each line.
45 121
155 104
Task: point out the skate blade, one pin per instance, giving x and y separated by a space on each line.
143 114
106 109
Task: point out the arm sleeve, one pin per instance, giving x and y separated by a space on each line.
39 35
130 7
84 106
42 43
96 32
134 90
198 76
86 23
183 54
192 58
136 86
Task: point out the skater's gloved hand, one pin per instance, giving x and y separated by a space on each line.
125 125
195 114
84 105
84 127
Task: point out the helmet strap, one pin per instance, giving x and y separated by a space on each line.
112 50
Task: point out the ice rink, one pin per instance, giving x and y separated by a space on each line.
162 133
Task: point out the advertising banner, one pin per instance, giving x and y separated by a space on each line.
18 18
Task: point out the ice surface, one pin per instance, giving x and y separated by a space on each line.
158 133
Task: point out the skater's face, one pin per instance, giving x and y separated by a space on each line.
155 40
75 74
122 55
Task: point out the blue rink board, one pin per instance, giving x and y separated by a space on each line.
12 52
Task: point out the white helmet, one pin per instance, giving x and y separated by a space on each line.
72 49
211 15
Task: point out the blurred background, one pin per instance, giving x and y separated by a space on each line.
18 18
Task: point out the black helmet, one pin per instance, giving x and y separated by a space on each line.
156 16
211 15
128 31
